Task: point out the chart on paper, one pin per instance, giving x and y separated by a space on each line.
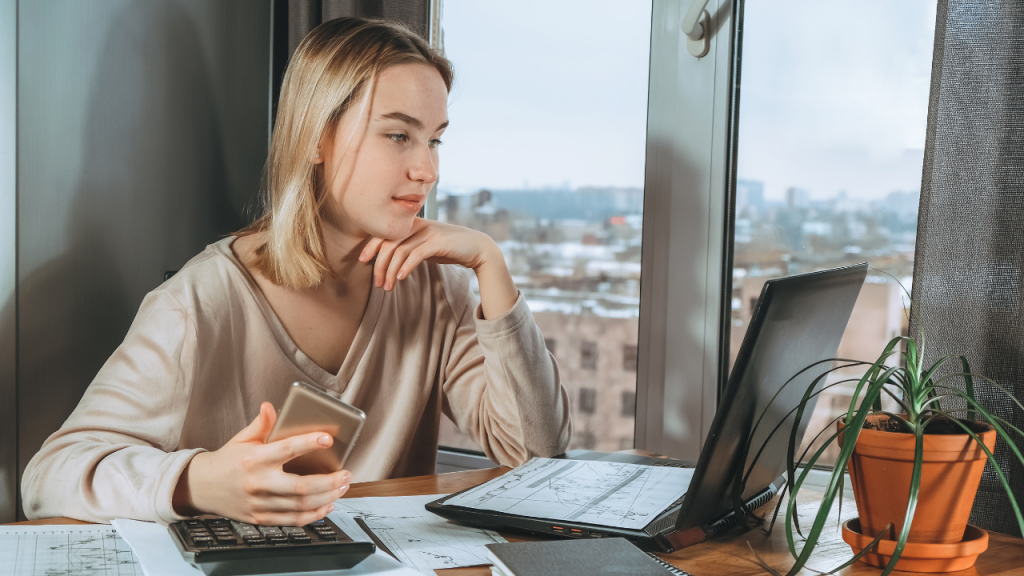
93 550
603 493
418 538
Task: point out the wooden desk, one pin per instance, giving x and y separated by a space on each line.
725 555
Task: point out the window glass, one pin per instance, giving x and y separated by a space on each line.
831 143
545 153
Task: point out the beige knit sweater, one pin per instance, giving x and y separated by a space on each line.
206 349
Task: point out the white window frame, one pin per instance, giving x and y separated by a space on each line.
687 245
686 240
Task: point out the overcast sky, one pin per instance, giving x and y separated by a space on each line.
546 92
834 94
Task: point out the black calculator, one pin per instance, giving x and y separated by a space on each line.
224 547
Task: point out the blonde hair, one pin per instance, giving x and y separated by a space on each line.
334 65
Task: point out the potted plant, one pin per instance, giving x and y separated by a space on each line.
914 475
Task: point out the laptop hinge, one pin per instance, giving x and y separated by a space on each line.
671 540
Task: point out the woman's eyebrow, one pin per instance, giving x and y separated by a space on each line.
403 117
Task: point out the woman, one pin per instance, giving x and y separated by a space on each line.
339 284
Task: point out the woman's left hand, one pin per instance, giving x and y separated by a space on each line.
445 244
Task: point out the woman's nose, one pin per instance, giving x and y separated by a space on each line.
424 169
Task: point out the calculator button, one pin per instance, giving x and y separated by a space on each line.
300 538
292 530
193 523
282 539
271 531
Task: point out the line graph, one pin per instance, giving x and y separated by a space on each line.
92 550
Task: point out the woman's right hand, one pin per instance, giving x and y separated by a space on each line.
243 480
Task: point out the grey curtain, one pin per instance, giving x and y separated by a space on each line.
293 19
304 15
970 244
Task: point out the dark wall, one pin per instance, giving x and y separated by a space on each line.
142 128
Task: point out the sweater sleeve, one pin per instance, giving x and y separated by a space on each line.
114 456
501 384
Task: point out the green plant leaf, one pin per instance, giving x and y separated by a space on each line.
872 373
867 550
761 561
968 383
893 396
849 438
915 488
1008 394
782 421
739 483
998 470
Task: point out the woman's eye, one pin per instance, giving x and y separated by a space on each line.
398 137
435 142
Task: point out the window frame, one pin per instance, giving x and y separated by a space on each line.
687 240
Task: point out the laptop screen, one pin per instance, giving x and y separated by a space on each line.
797 321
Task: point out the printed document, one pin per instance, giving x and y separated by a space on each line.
90 550
603 493
419 539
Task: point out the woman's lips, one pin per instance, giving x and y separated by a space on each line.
409 203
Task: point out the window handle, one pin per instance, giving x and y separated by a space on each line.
697 28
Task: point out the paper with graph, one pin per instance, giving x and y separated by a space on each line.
418 538
90 550
603 493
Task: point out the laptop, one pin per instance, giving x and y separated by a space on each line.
797 321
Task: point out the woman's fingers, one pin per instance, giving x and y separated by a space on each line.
370 250
380 266
260 427
414 258
291 518
287 485
413 245
277 453
299 504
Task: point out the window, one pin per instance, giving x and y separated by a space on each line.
550 344
629 357
831 144
588 400
588 355
586 439
628 404
562 193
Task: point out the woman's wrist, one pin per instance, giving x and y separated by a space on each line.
498 293
184 501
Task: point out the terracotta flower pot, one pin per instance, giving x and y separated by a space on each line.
880 470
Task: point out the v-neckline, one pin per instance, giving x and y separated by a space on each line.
334 382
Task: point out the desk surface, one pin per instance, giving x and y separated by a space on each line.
727 554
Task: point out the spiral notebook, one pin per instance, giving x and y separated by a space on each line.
606 556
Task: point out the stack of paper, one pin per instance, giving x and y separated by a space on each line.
419 539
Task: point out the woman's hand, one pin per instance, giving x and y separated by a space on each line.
445 244
244 480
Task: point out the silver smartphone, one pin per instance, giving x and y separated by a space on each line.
308 409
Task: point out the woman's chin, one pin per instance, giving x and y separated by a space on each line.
395 228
